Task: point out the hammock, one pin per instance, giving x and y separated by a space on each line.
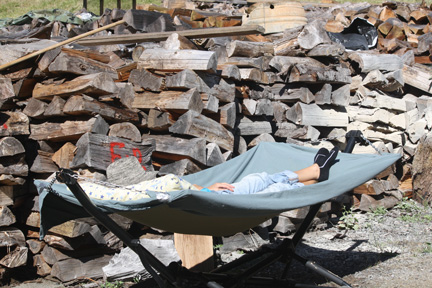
206 213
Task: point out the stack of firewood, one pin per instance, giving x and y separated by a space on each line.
183 105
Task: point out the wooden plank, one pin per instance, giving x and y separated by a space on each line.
195 251
161 36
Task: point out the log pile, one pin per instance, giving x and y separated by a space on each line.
182 105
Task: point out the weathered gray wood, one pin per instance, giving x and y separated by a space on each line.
125 95
14 165
14 123
225 91
251 74
418 76
159 121
264 107
71 269
42 268
292 131
43 163
55 107
266 137
125 130
368 61
229 71
180 168
10 146
6 89
170 100
67 62
174 60
194 124
279 111
7 218
35 246
312 114
68 130
23 88
214 155
228 115
249 107
11 236
313 34
175 148
323 96
126 171
327 50
284 63
92 84
9 193
98 151
188 79
285 94
421 166
340 96
145 79
15 258
211 104
249 49
304 73
246 62
84 105
248 127
35 108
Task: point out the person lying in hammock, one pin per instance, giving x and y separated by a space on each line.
250 184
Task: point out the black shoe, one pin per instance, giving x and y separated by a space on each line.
326 162
321 156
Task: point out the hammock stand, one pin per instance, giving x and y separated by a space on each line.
176 276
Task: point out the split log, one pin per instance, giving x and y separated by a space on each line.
14 165
323 96
159 121
194 124
334 75
312 114
179 42
170 100
42 268
92 85
126 171
145 79
229 71
249 127
23 87
369 203
84 105
228 115
292 131
8 194
249 49
174 148
71 62
384 62
250 74
211 104
249 107
125 95
35 246
418 76
64 156
264 107
188 79
246 62
283 93
72 228
43 163
15 258
261 138
284 63
6 89
98 151
85 268
214 155
35 108
10 146
125 130
13 124
55 107
225 90
180 168
11 236
421 164
86 241
148 21
68 130
7 218
175 60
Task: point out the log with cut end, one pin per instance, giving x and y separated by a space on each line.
175 60
312 114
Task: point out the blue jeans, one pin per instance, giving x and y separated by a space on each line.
264 182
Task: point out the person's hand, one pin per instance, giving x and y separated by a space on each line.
221 186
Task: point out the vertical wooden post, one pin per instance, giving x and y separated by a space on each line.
133 4
195 251
85 4
101 7
119 4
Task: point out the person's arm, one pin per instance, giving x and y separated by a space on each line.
217 187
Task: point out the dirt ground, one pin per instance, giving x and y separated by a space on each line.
387 249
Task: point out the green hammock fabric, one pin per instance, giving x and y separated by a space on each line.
206 213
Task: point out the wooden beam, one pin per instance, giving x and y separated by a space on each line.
161 36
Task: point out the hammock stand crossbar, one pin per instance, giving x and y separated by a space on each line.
169 276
